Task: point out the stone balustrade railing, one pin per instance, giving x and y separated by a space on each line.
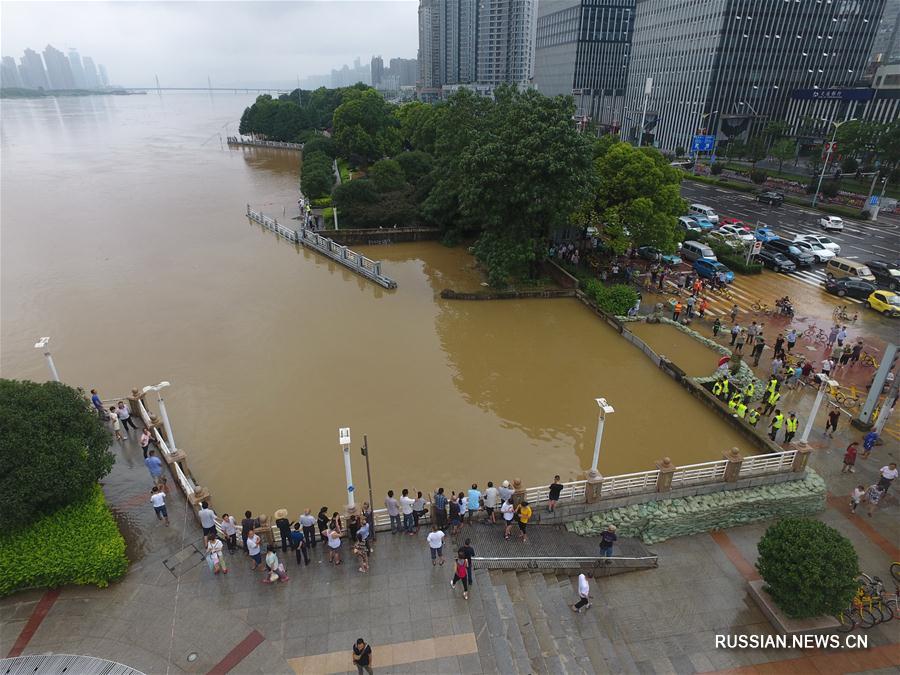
235 140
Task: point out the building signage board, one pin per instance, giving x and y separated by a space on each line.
859 94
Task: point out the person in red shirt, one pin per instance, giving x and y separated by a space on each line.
849 458
833 416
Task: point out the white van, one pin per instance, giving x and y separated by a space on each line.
693 250
704 212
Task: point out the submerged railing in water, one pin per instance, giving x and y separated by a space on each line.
235 140
371 269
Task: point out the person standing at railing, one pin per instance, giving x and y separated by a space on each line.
229 529
393 511
523 515
508 512
439 504
283 523
463 507
97 402
505 491
491 499
556 489
474 501
155 467
115 424
308 523
322 522
207 519
264 531
125 418
455 520
247 525
145 441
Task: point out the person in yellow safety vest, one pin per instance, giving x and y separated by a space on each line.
771 401
776 424
749 390
753 417
725 384
742 409
735 399
717 389
790 425
772 387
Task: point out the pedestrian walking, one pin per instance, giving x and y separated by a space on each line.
308 523
873 497
474 501
841 336
362 657
584 593
334 546
214 557
556 489
702 307
758 347
523 515
283 523
406 509
676 312
776 424
435 541
868 443
832 421
229 529
361 551
734 313
507 510
115 424
850 458
607 540
322 521
254 549
735 332
158 499
144 441
832 337
791 339
155 467
888 476
779 346
717 326
393 511
491 500
274 568
247 525
124 419
856 352
790 427
207 519
461 573
439 504
776 365
752 331
856 497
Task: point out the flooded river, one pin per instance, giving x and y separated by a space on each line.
123 238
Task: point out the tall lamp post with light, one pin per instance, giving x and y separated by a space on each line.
44 344
162 411
824 383
837 125
605 409
344 442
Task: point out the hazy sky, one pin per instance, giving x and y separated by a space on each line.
232 42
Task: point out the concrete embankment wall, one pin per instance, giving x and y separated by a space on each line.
390 236
448 294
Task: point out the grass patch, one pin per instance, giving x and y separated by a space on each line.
79 544
328 215
321 202
344 170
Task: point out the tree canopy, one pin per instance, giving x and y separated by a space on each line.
53 450
364 128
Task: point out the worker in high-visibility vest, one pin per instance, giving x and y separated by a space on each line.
790 427
725 387
741 409
749 390
717 389
773 385
754 416
736 398
771 401
776 424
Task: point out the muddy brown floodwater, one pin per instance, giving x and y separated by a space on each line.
689 354
123 238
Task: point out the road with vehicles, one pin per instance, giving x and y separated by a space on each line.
860 240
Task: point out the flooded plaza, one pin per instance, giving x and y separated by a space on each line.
123 238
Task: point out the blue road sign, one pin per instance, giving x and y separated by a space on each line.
702 143
350 488
873 200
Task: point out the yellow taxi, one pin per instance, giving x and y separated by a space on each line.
885 302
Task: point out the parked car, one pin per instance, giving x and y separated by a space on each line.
831 223
815 250
702 223
820 239
855 288
689 225
842 268
886 274
765 234
651 253
737 231
776 261
703 211
770 197
799 258
885 302
709 269
724 239
735 221
694 250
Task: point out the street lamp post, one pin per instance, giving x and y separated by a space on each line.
365 453
605 409
810 422
828 157
648 89
162 411
44 343
344 441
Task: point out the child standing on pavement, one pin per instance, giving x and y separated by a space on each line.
856 497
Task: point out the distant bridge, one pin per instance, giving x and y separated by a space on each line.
232 89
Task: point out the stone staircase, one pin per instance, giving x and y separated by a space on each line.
523 624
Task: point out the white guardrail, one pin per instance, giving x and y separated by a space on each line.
168 455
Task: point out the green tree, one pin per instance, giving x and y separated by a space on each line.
777 130
53 450
735 149
782 151
810 569
756 150
603 145
638 190
323 144
416 165
316 175
418 125
364 128
387 175
679 151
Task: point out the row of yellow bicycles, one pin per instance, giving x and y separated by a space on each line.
872 604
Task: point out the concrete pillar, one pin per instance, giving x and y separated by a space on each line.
733 468
593 488
664 480
136 396
157 423
800 459
518 491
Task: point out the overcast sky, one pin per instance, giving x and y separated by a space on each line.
232 42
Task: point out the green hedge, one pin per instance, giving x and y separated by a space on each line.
321 203
616 299
79 544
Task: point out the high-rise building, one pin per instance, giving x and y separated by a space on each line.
32 71
77 69
505 45
581 48
728 67
9 74
406 71
377 68
91 79
430 14
59 70
458 41
104 78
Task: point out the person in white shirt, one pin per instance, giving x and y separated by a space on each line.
229 527
436 544
406 508
584 593
214 555
507 510
308 523
505 491
253 549
491 496
207 519
856 497
158 499
888 475
124 419
334 546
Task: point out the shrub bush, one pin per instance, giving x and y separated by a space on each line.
316 175
616 299
321 203
830 188
53 450
810 568
758 176
320 143
716 169
78 544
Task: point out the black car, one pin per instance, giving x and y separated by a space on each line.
776 261
886 274
788 250
855 288
770 197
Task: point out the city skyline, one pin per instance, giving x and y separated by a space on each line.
55 71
